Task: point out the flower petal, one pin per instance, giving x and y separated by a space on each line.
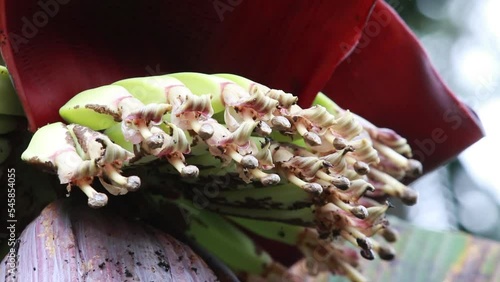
389 80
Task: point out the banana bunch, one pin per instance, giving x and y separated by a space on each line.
238 153
10 111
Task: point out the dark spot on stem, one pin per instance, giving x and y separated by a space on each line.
281 233
127 273
104 110
164 265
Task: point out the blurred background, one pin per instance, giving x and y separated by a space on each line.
462 38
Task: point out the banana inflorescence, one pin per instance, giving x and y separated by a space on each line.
305 177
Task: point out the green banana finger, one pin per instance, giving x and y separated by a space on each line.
151 89
96 108
10 102
201 84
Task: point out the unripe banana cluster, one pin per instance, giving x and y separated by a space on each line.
307 171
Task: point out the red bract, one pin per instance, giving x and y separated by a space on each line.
56 49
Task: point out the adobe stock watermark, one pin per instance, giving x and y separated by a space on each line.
31 26
221 7
378 20
12 242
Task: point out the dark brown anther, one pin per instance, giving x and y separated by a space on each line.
327 164
341 182
390 234
362 243
280 123
360 212
348 149
155 141
386 253
249 162
262 129
414 168
312 139
206 131
367 254
370 188
313 188
409 197
339 143
361 168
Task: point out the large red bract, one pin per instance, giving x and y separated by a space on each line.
290 45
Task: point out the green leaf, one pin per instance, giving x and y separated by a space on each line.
424 255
